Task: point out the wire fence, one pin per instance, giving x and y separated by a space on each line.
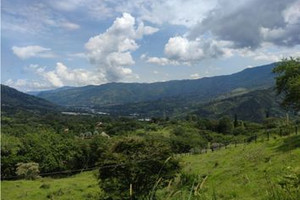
211 148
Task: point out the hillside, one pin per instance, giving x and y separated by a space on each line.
245 172
248 105
13 101
203 89
252 106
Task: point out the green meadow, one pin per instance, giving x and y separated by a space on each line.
262 170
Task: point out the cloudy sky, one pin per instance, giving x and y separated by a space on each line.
53 43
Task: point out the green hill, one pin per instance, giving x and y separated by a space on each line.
248 105
252 106
262 170
13 101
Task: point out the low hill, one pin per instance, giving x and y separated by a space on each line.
13 100
202 90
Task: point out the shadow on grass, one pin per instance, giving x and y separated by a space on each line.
290 143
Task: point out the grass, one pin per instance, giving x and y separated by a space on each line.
80 186
247 172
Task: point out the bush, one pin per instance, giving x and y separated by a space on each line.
28 170
136 166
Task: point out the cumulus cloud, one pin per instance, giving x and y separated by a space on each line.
180 50
111 51
250 23
60 76
32 51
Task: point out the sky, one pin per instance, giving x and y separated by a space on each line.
47 44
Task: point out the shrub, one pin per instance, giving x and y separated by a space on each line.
28 170
134 167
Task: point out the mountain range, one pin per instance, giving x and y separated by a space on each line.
248 94
200 90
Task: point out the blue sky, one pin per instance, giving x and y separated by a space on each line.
53 43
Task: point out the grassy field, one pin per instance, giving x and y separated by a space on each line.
80 186
251 171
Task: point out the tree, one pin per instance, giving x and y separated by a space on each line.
225 125
134 166
288 82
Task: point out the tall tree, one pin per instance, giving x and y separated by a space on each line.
288 82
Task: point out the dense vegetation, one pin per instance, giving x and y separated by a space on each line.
140 158
252 171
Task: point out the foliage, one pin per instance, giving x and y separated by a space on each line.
286 187
28 170
141 163
225 125
288 82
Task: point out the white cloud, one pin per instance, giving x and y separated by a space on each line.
161 61
60 76
179 48
181 51
32 51
35 18
248 24
69 25
66 5
195 76
269 53
111 51
27 85
177 12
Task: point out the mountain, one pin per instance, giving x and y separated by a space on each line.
252 106
13 101
200 90
248 105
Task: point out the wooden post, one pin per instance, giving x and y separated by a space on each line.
280 132
130 190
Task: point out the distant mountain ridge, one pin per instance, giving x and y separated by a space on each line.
202 90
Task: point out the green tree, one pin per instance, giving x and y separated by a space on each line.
225 125
134 166
288 82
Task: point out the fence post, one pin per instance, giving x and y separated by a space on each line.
280 132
